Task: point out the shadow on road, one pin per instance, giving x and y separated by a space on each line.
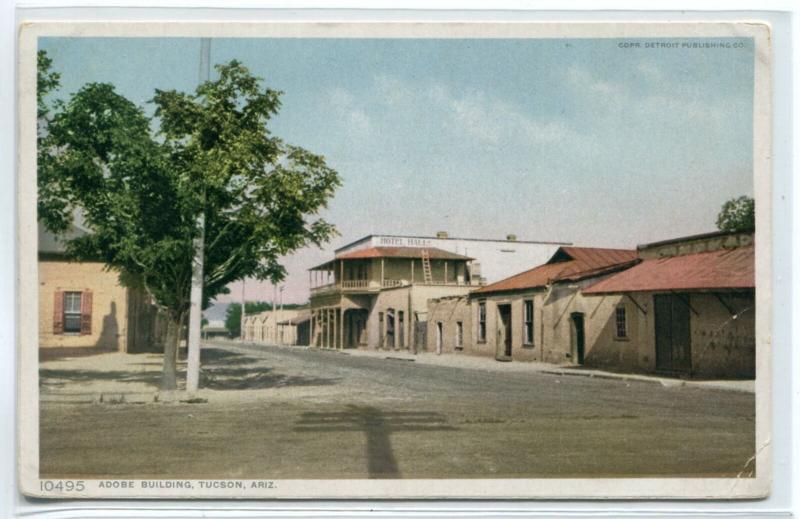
378 426
220 370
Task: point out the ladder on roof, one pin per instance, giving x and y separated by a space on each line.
426 267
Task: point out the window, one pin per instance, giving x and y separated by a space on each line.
527 322
459 335
72 312
482 321
621 319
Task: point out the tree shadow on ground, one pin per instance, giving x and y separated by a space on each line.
220 370
377 426
63 377
57 353
224 379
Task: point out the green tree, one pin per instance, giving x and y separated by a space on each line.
139 184
737 214
233 314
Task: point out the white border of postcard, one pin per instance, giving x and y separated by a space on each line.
692 488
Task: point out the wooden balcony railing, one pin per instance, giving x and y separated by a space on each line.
366 284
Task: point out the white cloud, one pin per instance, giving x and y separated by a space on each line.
355 118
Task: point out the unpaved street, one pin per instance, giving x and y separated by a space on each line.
281 412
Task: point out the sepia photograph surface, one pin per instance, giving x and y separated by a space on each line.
394 260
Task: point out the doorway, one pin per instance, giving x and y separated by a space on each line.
390 328
504 330
673 334
578 336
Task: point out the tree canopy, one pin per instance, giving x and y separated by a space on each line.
737 214
139 183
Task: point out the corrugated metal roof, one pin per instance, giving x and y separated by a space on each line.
724 268
401 252
568 263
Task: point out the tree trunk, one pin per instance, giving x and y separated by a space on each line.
169 376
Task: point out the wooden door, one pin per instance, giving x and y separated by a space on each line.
504 311
673 334
579 336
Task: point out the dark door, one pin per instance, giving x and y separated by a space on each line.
579 335
390 328
505 327
673 335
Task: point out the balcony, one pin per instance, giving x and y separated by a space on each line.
368 285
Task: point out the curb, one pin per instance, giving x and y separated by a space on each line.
649 380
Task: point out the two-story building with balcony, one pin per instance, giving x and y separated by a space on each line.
374 293
373 297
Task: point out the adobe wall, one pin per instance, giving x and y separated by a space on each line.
109 305
723 345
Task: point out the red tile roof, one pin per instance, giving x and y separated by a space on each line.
724 268
401 252
568 263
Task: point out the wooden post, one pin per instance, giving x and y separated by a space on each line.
341 328
330 327
341 272
412 271
382 278
335 327
445 272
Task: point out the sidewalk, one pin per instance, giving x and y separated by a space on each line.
490 364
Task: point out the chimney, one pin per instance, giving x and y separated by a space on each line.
511 237
441 235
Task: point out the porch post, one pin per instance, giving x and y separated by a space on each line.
445 272
382 278
341 272
341 327
412 271
336 325
327 327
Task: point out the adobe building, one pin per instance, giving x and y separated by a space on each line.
215 330
692 308
536 315
682 307
83 307
374 293
296 331
272 326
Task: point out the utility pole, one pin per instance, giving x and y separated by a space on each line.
196 294
281 314
274 313
241 317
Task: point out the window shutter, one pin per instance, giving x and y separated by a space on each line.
58 312
86 312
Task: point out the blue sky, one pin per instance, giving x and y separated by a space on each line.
563 139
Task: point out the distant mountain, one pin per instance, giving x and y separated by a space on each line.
216 311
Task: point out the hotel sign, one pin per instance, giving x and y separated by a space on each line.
401 241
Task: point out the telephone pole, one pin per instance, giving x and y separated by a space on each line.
196 294
241 317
